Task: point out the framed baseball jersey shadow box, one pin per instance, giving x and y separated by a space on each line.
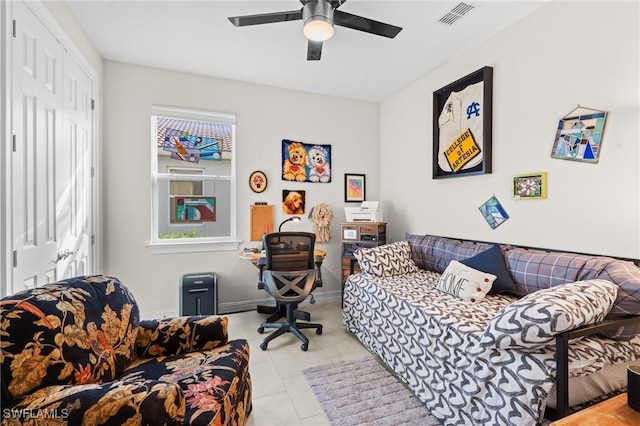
462 116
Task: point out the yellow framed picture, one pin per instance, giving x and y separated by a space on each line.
530 186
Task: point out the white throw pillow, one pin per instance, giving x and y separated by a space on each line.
464 282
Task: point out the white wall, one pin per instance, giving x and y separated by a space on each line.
562 55
265 116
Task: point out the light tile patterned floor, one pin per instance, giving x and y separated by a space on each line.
281 396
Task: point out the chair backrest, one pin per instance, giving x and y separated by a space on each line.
289 251
290 286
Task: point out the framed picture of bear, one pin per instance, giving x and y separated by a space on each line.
462 116
354 188
304 162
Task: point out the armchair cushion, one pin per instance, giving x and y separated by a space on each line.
535 320
174 336
78 331
148 402
216 384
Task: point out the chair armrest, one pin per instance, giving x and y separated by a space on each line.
174 336
147 402
261 264
318 262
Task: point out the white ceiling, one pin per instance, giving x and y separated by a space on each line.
196 37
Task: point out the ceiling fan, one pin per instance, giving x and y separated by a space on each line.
319 17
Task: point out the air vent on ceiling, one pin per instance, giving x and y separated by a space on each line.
456 13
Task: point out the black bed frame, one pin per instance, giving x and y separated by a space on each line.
562 360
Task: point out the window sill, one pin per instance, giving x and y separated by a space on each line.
192 246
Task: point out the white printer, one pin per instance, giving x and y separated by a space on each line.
367 212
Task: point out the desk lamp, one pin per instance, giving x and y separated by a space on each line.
294 219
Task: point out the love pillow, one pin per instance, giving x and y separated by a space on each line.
465 282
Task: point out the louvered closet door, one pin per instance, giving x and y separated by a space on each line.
51 185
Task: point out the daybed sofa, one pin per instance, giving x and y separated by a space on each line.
491 359
74 352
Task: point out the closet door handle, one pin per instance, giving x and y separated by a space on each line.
64 254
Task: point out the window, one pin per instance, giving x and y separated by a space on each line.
193 167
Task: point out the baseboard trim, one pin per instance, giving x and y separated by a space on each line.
244 305
250 305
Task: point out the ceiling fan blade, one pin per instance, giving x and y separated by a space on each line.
337 3
367 25
314 50
266 18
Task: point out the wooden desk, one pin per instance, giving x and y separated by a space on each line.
254 257
613 411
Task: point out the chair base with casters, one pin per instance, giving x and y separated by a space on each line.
289 325
279 311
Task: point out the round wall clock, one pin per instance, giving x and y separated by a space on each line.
258 181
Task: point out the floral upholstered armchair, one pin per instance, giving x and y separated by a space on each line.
74 352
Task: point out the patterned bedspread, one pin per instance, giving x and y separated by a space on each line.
433 342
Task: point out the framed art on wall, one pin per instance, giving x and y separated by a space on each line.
462 132
305 162
258 181
354 188
579 134
530 186
493 212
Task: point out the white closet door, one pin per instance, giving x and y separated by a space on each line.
73 173
37 126
51 164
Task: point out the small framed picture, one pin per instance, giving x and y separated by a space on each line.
354 188
350 234
530 186
258 181
493 212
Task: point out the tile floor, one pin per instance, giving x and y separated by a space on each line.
281 396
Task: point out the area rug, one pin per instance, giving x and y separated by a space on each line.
363 392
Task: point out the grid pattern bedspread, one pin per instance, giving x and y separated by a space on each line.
433 342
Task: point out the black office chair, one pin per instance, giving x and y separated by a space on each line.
289 274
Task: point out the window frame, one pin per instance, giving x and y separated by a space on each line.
198 244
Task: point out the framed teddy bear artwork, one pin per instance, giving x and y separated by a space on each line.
304 162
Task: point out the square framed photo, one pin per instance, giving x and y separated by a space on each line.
354 188
578 137
531 186
493 212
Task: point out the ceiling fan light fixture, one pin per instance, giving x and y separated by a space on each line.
318 20
318 30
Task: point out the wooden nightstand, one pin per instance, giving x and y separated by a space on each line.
613 411
355 235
